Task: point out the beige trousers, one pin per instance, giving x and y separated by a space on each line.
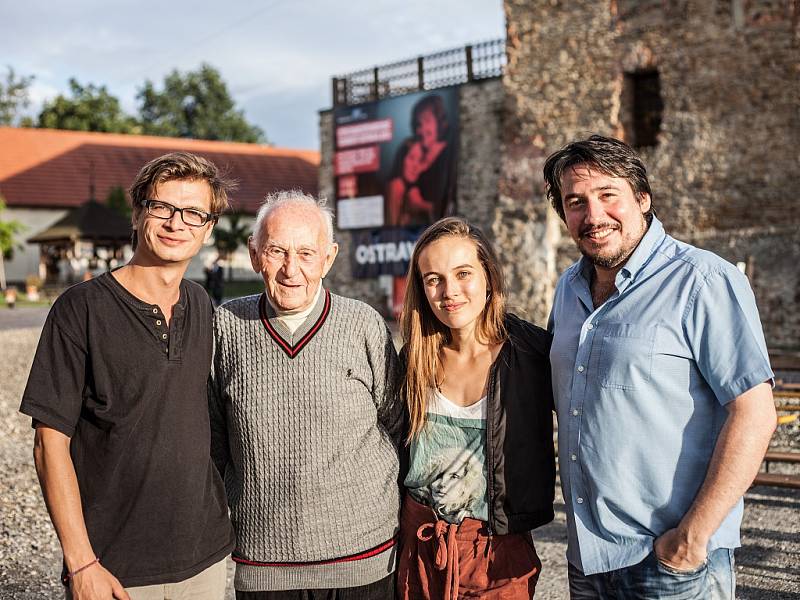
206 585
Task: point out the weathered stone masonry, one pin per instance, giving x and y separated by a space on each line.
727 156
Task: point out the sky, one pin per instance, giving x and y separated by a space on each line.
277 56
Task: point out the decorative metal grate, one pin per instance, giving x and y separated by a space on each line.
450 67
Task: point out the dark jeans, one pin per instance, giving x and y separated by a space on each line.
382 589
650 580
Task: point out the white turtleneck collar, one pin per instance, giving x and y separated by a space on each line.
292 319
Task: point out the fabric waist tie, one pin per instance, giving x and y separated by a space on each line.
446 553
443 535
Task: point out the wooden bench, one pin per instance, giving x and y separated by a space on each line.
788 407
779 479
784 457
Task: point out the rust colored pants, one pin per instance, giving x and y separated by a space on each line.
442 561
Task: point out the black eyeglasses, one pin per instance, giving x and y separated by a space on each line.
191 216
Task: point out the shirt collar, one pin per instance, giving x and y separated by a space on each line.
652 237
275 312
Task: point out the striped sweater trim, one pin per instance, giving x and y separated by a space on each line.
379 549
292 351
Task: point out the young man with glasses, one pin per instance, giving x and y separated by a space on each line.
117 394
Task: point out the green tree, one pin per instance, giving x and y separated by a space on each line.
196 104
13 97
116 199
91 108
227 241
8 243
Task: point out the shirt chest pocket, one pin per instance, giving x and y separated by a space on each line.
626 356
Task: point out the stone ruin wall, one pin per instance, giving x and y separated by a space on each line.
723 169
727 153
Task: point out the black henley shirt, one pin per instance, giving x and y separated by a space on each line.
130 391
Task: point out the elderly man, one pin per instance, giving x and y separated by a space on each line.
662 385
117 393
304 420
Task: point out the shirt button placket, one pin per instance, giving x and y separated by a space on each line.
160 327
581 362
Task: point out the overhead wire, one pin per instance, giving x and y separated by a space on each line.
210 36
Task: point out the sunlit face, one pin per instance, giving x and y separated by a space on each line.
427 128
603 215
293 256
454 281
171 240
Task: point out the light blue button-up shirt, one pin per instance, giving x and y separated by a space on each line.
640 385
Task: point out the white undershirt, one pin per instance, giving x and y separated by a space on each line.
292 319
440 405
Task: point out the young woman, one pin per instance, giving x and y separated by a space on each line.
481 470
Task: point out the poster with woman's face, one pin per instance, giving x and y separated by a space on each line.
395 160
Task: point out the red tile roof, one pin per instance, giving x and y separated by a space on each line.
48 168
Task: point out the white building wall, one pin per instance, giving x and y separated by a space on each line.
26 261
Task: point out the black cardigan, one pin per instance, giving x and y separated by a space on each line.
519 432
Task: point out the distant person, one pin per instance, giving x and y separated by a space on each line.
11 296
117 394
215 281
422 185
662 384
477 387
305 422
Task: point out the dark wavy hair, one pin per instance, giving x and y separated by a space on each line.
435 104
605 154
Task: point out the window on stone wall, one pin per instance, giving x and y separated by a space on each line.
764 12
642 108
631 8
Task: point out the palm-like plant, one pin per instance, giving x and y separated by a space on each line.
227 240
8 232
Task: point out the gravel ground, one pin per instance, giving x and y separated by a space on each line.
768 564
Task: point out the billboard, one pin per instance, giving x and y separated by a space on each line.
395 162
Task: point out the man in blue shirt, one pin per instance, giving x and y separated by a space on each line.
662 385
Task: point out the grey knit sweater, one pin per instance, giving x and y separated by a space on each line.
305 428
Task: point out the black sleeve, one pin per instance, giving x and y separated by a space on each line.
54 393
529 337
220 450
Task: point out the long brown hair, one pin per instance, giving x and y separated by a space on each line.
425 335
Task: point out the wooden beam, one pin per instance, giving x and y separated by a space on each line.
777 480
